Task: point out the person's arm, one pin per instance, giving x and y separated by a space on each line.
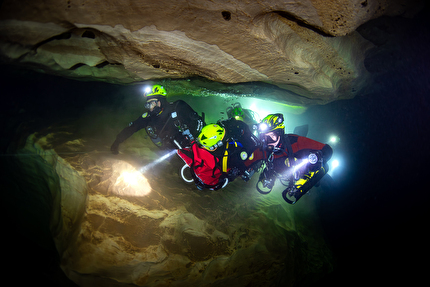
192 114
127 132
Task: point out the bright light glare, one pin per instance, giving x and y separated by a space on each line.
261 113
130 178
334 140
147 90
263 127
303 163
291 171
333 165
132 183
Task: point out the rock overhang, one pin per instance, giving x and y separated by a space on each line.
307 51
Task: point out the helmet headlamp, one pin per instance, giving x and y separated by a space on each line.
154 91
147 90
272 122
263 127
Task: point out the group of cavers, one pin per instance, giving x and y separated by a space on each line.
217 153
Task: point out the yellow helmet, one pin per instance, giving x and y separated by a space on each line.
211 136
272 122
156 91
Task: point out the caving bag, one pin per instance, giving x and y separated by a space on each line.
204 166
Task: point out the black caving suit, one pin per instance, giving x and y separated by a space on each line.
239 146
176 121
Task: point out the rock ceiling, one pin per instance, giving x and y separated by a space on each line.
307 50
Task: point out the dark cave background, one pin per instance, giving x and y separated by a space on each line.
377 221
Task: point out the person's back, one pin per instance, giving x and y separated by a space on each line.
240 145
176 127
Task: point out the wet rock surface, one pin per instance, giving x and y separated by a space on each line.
307 50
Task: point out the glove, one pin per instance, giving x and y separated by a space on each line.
114 147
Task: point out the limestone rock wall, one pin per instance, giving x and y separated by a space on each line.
307 47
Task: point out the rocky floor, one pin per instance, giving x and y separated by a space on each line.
154 229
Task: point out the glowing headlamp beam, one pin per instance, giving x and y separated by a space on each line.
143 169
312 159
300 165
291 172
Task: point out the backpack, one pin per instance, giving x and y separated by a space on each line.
205 167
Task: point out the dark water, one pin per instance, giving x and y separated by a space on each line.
376 213
377 217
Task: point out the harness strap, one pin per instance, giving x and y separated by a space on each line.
224 159
170 117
